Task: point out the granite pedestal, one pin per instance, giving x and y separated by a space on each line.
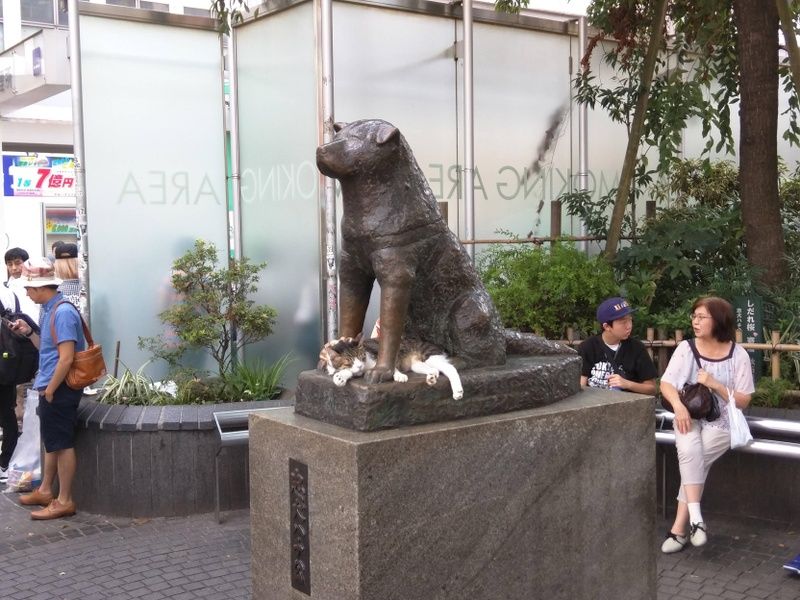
556 502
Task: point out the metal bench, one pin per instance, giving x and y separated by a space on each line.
760 445
232 428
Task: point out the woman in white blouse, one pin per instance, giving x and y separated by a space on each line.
725 370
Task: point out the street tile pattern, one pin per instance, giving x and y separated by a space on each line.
743 560
91 557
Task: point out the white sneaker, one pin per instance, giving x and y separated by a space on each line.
698 535
674 543
3 475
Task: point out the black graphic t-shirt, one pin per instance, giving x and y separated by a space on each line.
630 361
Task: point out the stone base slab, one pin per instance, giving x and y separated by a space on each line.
550 503
523 382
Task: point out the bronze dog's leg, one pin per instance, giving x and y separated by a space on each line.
355 287
394 307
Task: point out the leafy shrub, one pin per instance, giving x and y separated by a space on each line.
257 381
770 392
212 303
540 290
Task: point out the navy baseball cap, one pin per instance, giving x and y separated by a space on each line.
612 309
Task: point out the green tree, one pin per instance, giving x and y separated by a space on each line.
718 53
212 303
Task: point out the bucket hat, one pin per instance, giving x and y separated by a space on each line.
38 272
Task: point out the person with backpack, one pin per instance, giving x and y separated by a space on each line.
12 349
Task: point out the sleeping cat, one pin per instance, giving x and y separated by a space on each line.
346 358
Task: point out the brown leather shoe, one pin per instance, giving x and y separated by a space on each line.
36 498
54 510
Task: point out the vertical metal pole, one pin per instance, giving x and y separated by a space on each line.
236 183
236 180
324 40
76 84
583 133
469 133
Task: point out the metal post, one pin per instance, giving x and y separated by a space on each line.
583 133
469 133
76 84
236 180
324 40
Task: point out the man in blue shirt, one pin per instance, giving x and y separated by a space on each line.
58 403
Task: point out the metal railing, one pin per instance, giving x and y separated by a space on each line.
758 426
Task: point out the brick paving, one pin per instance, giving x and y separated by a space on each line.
90 557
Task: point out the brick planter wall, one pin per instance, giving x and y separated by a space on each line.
157 461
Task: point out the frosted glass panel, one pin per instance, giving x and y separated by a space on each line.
278 140
155 168
399 67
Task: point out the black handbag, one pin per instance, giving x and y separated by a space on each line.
699 400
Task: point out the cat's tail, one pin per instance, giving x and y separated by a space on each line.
529 344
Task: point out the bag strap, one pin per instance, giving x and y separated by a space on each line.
695 352
86 333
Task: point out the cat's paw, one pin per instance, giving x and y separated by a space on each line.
339 380
432 378
400 377
458 394
379 375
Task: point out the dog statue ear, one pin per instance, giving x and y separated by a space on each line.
386 133
338 126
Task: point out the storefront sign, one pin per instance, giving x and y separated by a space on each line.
38 175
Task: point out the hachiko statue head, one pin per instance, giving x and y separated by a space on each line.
392 231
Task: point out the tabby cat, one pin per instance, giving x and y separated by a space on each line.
346 358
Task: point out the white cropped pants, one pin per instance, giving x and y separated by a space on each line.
697 451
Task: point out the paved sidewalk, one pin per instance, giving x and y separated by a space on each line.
743 560
89 557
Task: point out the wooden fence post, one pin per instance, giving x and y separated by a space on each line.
776 356
650 337
555 218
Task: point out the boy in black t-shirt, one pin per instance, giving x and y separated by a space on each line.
611 359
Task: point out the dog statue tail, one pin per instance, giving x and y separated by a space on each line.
528 344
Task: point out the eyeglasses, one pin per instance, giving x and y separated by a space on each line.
694 317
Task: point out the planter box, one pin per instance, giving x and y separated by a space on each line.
157 461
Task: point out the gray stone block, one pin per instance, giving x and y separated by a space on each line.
171 418
123 474
141 491
151 418
112 416
184 473
549 503
129 420
189 419
523 382
163 490
205 416
96 417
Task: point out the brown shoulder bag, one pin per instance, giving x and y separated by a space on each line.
88 365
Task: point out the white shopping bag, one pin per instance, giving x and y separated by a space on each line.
25 467
740 430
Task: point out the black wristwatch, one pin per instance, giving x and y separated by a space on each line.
29 334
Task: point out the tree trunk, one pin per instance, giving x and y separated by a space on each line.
635 135
757 40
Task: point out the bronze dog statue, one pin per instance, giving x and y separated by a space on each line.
392 231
